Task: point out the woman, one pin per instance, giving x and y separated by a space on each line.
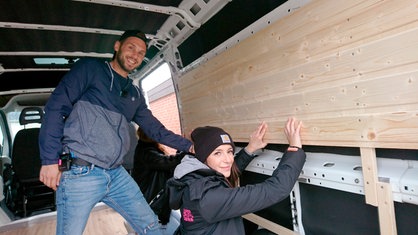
206 187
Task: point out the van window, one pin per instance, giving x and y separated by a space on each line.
158 76
159 91
2 136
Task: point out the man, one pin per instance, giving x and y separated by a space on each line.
86 123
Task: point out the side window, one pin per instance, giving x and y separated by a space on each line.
159 90
4 140
2 136
13 122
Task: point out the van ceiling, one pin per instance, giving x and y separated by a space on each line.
88 28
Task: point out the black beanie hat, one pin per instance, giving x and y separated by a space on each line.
208 138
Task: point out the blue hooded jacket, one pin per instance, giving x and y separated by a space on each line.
89 114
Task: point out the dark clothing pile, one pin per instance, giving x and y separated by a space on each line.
152 168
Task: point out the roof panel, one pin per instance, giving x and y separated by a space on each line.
64 28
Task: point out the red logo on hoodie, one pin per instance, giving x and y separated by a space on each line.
187 215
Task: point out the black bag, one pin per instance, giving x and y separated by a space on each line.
160 205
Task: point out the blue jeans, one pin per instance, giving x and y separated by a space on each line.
82 187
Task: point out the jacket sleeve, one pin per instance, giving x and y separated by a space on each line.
242 159
220 203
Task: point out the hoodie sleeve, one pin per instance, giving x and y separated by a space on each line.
221 203
242 159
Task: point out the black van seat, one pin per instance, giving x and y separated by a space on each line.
26 193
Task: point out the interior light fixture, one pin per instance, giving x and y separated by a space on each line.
55 61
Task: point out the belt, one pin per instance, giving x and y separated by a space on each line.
80 162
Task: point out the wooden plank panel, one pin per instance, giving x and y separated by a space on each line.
267 224
370 62
368 113
361 97
308 22
102 221
386 209
375 61
369 168
349 72
376 131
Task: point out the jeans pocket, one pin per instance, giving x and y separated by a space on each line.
76 171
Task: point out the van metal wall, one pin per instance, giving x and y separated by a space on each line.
347 69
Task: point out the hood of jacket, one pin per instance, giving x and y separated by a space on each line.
190 170
188 164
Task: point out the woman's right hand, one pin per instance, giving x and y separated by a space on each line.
257 139
292 131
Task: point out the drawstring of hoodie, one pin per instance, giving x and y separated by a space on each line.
111 74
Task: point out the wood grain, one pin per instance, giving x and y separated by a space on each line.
102 221
348 70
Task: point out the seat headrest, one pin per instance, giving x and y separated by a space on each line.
31 115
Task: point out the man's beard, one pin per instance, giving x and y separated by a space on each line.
121 61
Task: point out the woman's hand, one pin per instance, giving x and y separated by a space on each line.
292 131
257 139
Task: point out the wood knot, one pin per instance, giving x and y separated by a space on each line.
371 135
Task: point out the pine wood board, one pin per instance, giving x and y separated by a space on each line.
347 69
103 221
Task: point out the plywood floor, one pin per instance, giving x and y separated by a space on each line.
102 221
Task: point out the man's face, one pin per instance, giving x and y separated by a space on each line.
129 54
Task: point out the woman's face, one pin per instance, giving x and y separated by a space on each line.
221 159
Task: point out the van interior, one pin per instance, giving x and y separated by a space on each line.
347 69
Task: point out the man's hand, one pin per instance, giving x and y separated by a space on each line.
191 149
50 175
